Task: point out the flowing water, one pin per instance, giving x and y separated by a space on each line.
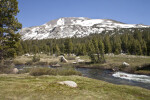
113 77
117 77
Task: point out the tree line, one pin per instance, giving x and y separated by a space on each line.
135 42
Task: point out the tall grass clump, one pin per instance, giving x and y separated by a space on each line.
38 71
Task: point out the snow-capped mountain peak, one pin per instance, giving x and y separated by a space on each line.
73 26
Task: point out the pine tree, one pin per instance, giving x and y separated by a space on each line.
144 47
68 46
91 51
102 51
138 35
24 46
138 50
124 44
148 48
57 50
107 44
19 49
45 48
35 49
96 51
83 49
62 48
8 26
116 44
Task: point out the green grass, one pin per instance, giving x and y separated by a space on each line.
132 60
26 87
65 71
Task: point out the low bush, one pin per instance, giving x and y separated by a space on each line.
42 71
35 58
24 70
52 71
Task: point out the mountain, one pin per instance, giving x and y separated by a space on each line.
74 27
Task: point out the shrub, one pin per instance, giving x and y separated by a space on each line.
35 58
52 71
42 71
24 70
6 69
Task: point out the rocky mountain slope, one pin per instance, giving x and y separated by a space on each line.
74 27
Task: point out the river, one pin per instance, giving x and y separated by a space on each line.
117 77
114 77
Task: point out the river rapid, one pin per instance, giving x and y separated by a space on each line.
117 77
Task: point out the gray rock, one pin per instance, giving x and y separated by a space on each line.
125 64
63 59
68 83
15 71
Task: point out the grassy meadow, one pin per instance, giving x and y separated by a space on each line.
26 87
39 83
112 62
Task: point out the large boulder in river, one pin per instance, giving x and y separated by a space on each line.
63 59
68 83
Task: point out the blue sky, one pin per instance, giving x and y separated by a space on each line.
38 12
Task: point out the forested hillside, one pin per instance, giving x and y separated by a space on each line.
130 41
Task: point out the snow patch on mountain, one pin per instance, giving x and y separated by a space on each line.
60 21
